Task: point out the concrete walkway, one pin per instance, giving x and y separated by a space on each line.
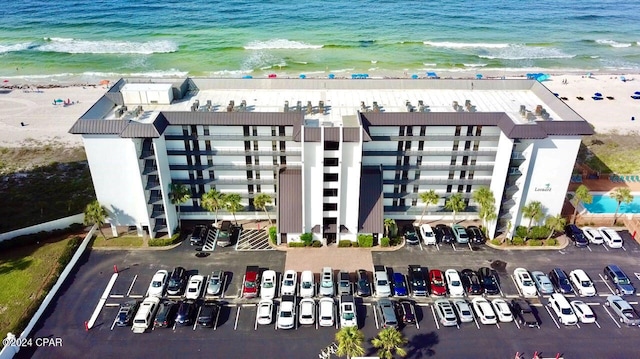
313 259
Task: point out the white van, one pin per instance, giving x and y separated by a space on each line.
145 315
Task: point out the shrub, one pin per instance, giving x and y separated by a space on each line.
316 244
534 242
384 242
161 242
296 244
344 243
521 231
355 244
539 232
273 234
69 251
365 240
495 242
395 241
517 241
551 242
29 239
306 238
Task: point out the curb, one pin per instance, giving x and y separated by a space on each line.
528 248
165 248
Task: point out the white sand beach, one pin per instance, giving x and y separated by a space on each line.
44 122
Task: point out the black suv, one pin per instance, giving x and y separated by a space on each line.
444 234
186 312
166 313
208 313
524 313
198 236
177 281
475 235
363 285
417 280
576 235
410 234
471 281
489 280
560 281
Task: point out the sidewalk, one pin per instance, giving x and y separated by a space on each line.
314 259
563 242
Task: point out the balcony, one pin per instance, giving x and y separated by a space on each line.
147 154
439 181
235 152
517 156
228 167
222 181
430 137
514 171
430 152
155 200
152 185
439 167
227 138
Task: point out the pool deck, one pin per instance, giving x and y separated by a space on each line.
604 185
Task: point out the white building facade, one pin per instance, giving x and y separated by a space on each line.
337 156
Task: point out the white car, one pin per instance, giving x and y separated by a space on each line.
194 287
563 310
428 236
444 312
583 311
593 235
265 312
381 281
158 282
611 237
326 282
287 312
464 310
307 284
326 312
525 282
307 311
348 316
483 311
454 284
582 283
268 285
289 282
502 310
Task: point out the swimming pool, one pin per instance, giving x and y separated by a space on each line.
602 203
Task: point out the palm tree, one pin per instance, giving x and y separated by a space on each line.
350 341
388 342
429 197
487 214
621 194
555 223
212 201
233 204
178 194
94 213
388 223
487 203
456 204
533 210
260 201
582 195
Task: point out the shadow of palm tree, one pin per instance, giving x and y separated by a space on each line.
421 345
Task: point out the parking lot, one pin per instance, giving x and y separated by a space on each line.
236 333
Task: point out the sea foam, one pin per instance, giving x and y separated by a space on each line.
523 52
460 45
76 46
279 44
15 47
613 43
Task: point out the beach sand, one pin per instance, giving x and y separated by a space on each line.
45 122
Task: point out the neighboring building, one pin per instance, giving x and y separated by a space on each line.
338 156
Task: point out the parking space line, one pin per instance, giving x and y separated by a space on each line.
516 321
611 316
242 286
589 248
420 244
132 283
435 319
114 321
624 249
454 247
597 325
413 311
578 325
111 305
375 317
498 325
605 247
116 296
607 284
516 284
551 315
195 322
437 246
235 325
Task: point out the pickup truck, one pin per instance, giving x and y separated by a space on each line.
623 309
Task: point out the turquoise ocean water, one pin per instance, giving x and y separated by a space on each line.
87 40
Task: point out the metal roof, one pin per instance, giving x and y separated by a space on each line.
289 200
98 127
370 215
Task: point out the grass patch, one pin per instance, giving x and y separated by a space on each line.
611 153
26 275
121 241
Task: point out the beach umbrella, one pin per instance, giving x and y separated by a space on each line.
247 77
414 76
332 76
5 81
479 76
104 82
303 76
59 100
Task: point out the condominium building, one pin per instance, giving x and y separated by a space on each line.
337 156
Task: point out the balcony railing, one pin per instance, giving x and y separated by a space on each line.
439 181
430 137
430 152
443 167
235 152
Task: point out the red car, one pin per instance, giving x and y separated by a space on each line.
436 279
251 280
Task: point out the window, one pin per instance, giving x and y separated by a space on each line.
331 145
331 177
330 207
331 162
330 192
206 130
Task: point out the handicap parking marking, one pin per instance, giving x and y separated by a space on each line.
552 317
611 316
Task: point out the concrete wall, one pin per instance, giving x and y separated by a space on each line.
47 226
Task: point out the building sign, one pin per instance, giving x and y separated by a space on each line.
546 188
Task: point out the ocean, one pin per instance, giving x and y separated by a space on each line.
88 40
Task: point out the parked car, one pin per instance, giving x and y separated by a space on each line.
268 284
410 235
348 317
444 312
381 281
563 310
490 280
502 310
177 281
387 313
525 283
611 237
289 281
583 311
593 235
363 284
307 284
208 314
621 283
460 233
464 310
198 235
406 312
542 282
454 283
326 282
265 312
399 285
483 311
471 282
560 281
575 234
216 281
126 312
475 235
344 283
165 315
194 287
145 315
428 236
582 283
250 283
623 309
524 313
158 282
225 232
186 311
417 280
307 311
287 312
326 312
436 279
444 234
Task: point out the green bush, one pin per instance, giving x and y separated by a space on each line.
521 231
551 242
534 242
395 241
355 244
495 242
365 240
344 243
384 242
306 238
296 244
539 232
273 234
162 242
517 241
68 252
316 244
29 239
